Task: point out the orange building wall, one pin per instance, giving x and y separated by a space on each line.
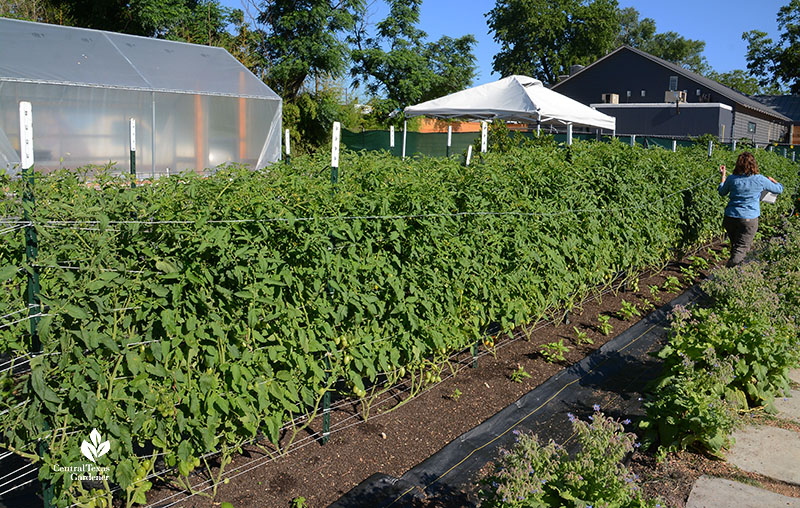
437 125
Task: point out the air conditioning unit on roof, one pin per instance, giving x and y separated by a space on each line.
610 98
675 96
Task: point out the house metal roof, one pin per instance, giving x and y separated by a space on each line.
53 54
788 105
729 93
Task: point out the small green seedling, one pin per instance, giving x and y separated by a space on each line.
554 351
647 305
699 263
604 327
672 284
715 255
654 291
689 273
299 502
455 395
581 337
628 310
519 374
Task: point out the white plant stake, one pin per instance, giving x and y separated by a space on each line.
133 134
25 135
674 145
288 143
391 136
449 140
405 130
484 136
337 136
469 154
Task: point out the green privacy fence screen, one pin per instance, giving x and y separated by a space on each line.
435 144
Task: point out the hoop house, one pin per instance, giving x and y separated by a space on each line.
194 107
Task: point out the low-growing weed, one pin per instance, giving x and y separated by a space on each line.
604 327
699 263
554 351
455 395
519 374
672 284
655 289
581 337
689 273
628 310
647 305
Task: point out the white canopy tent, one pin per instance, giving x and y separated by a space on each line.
515 98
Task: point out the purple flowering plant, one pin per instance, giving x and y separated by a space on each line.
535 475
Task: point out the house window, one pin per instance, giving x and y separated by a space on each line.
698 92
673 82
751 127
628 94
643 93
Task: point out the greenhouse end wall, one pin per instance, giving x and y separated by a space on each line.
75 126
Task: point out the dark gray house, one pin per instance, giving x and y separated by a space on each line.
651 96
788 105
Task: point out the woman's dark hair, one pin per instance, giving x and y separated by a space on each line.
746 165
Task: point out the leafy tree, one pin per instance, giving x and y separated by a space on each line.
410 70
671 46
633 31
743 82
687 53
543 38
197 21
777 63
304 39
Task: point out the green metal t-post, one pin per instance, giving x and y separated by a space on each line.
31 253
326 398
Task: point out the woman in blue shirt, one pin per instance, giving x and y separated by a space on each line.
744 205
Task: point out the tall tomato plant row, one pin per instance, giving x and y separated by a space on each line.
176 335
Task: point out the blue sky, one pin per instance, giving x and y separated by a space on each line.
719 23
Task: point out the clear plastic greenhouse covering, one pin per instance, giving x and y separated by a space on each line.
195 106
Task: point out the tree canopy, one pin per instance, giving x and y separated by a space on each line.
777 64
401 66
671 46
306 39
544 38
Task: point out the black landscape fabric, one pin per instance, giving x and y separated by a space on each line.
612 377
